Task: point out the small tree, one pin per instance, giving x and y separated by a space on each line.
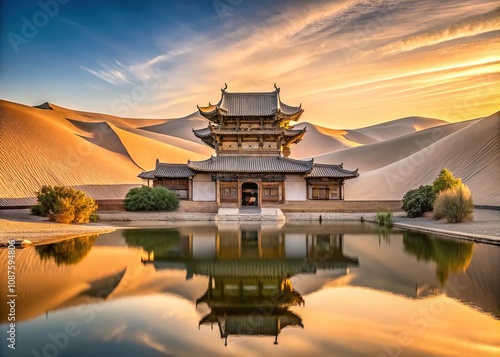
418 201
455 204
65 205
444 181
151 199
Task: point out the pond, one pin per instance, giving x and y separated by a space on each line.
334 289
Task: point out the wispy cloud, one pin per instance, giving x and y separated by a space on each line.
399 45
115 73
471 26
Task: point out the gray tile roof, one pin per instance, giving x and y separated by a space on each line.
147 175
251 104
167 171
205 132
254 164
323 170
239 104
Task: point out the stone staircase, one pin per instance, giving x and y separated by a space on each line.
249 214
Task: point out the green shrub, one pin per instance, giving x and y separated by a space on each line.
418 201
444 181
455 204
151 199
64 205
384 218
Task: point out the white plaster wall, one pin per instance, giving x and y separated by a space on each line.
203 246
203 188
295 245
295 188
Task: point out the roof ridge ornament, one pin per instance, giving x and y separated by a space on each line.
276 87
225 87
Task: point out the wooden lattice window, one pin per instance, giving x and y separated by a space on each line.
321 193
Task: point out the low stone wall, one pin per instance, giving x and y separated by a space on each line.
287 207
339 206
184 206
110 205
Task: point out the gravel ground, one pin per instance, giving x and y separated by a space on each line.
20 224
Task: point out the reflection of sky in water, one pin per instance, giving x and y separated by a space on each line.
393 303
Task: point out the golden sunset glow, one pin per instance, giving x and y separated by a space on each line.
351 63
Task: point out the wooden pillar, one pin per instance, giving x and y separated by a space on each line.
239 193
190 189
259 192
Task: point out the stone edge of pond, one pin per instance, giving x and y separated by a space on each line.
479 238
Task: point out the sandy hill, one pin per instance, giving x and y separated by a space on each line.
399 127
472 153
180 127
379 154
103 154
98 117
320 140
59 146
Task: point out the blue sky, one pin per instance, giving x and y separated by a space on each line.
350 63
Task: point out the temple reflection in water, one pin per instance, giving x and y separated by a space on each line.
249 268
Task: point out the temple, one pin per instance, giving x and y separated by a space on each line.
251 134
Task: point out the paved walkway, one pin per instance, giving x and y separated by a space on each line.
484 228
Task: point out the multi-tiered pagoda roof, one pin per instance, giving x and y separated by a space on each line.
250 104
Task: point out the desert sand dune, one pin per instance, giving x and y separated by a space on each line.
98 117
374 156
352 135
102 154
101 134
144 151
181 127
472 153
318 140
199 148
399 127
51 150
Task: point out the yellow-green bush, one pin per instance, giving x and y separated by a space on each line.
444 181
65 205
455 204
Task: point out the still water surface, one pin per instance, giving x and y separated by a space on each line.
343 289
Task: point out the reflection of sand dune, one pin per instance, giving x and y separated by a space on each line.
54 145
96 278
